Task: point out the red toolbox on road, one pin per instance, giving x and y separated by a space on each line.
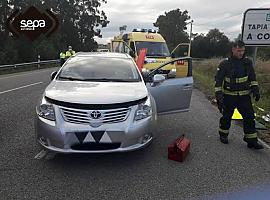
179 149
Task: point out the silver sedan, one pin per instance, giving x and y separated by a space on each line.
99 103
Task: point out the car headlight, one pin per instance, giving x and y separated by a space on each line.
45 110
173 70
145 70
144 110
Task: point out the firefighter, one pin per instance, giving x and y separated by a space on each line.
235 81
62 57
69 52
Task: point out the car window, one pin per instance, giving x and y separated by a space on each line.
181 51
98 68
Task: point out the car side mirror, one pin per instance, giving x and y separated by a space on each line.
53 74
173 55
157 79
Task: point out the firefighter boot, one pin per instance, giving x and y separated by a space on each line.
254 145
224 139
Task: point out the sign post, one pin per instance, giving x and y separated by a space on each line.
256 29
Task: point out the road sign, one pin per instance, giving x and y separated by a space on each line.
256 27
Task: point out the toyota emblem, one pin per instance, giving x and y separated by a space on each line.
95 114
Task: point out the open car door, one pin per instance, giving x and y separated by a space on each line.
173 95
181 50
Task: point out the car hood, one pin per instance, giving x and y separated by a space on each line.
95 92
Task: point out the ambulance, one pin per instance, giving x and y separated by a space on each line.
157 51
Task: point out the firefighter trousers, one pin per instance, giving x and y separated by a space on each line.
244 106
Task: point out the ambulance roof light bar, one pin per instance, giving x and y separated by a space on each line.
144 30
137 30
151 31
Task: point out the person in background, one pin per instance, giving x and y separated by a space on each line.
69 52
62 57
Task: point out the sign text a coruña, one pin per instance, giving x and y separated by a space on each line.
259 35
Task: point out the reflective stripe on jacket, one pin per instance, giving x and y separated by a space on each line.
62 55
235 77
70 53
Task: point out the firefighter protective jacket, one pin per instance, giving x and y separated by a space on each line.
235 77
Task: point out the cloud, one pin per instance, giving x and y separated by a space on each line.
207 14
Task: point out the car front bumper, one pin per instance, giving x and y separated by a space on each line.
66 137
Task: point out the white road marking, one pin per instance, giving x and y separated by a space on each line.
41 154
46 154
20 87
241 138
264 144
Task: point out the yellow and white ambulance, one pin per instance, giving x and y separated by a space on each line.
157 51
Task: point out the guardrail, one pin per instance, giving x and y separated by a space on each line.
38 63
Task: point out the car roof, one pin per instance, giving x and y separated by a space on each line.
102 54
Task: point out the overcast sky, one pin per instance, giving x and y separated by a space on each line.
225 15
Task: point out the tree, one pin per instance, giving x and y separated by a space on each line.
5 11
79 22
219 43
172 27
200 47
214 44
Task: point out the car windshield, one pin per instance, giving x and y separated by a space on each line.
154 49
100 69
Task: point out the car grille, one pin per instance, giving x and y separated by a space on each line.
84 116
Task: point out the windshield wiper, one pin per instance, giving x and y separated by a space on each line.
110 80
70 78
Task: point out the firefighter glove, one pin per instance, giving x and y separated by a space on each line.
219 98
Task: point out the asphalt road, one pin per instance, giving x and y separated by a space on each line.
211 169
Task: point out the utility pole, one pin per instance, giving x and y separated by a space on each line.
254 55
190 36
